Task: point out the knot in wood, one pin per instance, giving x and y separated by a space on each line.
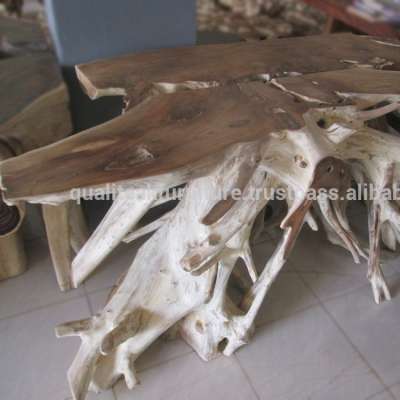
331 173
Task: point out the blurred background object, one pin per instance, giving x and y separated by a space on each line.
259 19
371 17
253 19
13 6
27 8
378 11
83 31
264 19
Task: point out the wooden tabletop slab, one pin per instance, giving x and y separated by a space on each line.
169 132
136 74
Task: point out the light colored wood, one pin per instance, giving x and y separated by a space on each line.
66 233
180 275
57 224
79 233
119 220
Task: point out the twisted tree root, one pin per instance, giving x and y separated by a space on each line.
180 276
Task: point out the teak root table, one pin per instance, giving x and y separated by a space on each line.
296 114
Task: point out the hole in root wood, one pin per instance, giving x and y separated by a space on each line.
330 169
389 123
218 211
222 345
199 326
300 161
322 123
393 120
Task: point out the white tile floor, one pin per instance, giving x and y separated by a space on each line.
319 335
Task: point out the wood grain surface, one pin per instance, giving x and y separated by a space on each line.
169 132
136 74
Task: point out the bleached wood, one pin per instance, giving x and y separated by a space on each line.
150 228
210 322
56 219
126 211
79 233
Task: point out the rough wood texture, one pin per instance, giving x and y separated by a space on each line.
58 236
136 75
67 233
297 133
186 129
34 113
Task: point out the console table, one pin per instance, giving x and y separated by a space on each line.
292 114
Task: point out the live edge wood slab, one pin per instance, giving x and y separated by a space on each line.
34 107
292 114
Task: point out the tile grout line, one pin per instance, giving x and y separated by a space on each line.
336 296
318 272
177 357
273 320
354 347
95 291
246 376
376 394
300 310
39 308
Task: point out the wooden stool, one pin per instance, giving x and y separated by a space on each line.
227 122
34 113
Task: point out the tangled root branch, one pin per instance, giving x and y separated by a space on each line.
180 276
